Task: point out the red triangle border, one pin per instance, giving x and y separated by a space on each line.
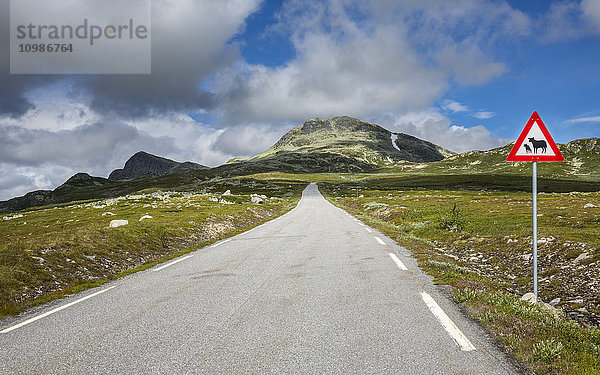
512 156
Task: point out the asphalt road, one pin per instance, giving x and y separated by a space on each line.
312 292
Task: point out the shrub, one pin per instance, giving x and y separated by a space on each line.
452 220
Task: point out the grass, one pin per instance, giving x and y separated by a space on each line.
479 243
49 252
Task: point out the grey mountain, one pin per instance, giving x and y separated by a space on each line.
356 139
143 164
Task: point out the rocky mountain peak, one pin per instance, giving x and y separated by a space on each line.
354 139
143 164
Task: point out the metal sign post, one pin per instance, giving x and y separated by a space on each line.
535 144
534 188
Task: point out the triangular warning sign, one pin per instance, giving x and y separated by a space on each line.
535 143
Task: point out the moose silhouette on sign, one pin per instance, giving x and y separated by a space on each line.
527 148
537 144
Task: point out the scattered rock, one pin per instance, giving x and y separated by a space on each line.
581 257
529 297
590 205
12 217
118 223
145 217
554 302
228 192
550 308
256 199
108 213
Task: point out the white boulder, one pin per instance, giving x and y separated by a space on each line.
529 297
117 223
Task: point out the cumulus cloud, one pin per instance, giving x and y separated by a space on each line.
93 147
360 58
247 140
16 180
469 66
331 77
189 43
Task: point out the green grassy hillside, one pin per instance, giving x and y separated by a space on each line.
354 139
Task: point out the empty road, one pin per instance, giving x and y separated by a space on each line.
312 292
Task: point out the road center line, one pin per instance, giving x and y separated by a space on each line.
368 230
220 243
398 262
447 323
380 240
6 330
172 263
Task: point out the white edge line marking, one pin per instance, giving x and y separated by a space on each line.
220 243
368 230
398 262
6 330
447 323
380 240
172 263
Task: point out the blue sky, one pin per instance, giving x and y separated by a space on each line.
230 77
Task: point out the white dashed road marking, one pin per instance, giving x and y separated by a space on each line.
172 263
6 330
398 262
448 324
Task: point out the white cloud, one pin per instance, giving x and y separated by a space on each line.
247 140
469 66
563 21
362 74
591 11
483 115
392 57
583 119
17 180
569 20
454 106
